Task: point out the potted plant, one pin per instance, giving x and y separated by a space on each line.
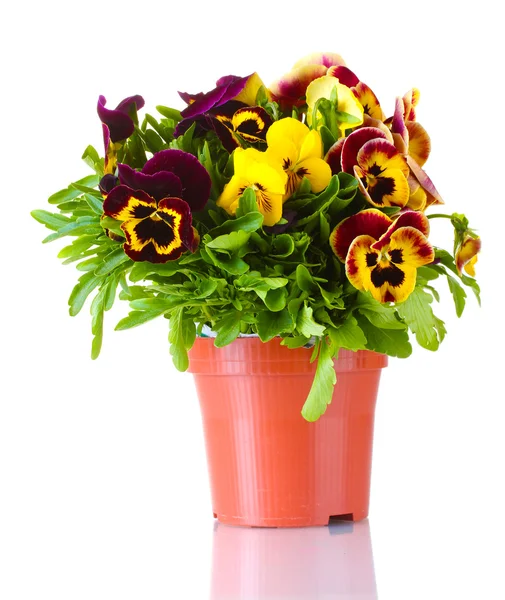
284 233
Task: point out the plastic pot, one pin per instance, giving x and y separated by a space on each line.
269 467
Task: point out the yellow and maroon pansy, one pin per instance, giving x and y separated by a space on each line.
264 175
466 254
155 231
353 143
383 256
248 123
291 88
382 174
300 152
346 101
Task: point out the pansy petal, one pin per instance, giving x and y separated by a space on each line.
466 255
370 222
227 88
347 101
249 92
119 124
251 123
412 246
224 130
159 185
419 142
177 214
407 218
334 155
328 59
353 144
429 187
368 100
359 264
231 193
194 177
312 146
131 105
344 75
410 101
290 89
317 171
389 188
379 154
399 128
289 133
123 203
417 198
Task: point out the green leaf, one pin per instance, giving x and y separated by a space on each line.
248 223
417 313
321 392
306 325
275 300
470 282
170 113
84 225
227 329
380 315
247 203
233 265
393 342
71 192
304 279
52 221
273 324
458 293
113 260
97 309
283 246
349 335
87 283
230 242
295 342
138 317
92 159
94 203
178 348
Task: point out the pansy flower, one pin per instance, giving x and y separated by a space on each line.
300 152
211 110
382 173
291 88
155 205
382 256
466 254
117 126
155 231
347 103
263 174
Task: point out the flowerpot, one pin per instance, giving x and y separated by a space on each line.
269 467
297 564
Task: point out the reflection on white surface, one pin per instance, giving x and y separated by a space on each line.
312 563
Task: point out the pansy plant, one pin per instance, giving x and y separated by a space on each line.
299 211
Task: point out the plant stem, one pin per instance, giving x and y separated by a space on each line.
439 216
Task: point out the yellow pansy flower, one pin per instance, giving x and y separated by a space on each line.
300 152
260 172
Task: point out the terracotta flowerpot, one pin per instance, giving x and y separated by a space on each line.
268 466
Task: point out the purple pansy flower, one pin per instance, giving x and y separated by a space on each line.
170 174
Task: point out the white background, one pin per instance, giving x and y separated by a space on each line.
103 484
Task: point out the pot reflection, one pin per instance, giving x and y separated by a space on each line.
300 564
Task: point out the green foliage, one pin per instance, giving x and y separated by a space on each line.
322 387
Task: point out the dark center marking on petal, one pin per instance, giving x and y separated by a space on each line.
156 229
396 256
286 164
390 274
141 212
302 172
371 259
250 127
375 170
381 187
263 198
